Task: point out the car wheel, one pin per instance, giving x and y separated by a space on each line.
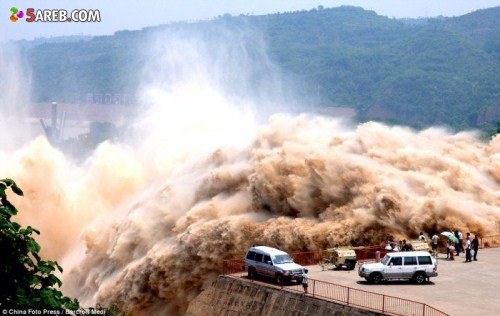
351 265
375 278
419 278
279 279
338 266
252 273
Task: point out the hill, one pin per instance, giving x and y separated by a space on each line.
441 71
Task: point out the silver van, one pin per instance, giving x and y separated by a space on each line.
418 266
271 262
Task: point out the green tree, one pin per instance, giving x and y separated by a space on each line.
27 281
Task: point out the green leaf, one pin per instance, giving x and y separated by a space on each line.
35 230
37 257
59 267
25 231
54 280
71 304
12 184
16 226
17 190
36 280
28 230
6 204
28 262
44 268
5 224
8 211
8 181
33 246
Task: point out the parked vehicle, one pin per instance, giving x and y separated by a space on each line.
420 245
341 257
418 266
271 262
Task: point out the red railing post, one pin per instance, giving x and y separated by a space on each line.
383 303
314 286
348 295
423 313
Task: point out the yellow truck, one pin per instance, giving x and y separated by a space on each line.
420 245
341 257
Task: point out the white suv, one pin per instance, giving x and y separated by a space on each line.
418 266
273 263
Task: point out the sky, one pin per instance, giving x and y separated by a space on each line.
135 14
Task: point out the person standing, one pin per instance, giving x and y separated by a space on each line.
467 249
460 246
451 245
409 246
435 239
421 236
388 246
475 246
448 249
457 235
398 246
305 280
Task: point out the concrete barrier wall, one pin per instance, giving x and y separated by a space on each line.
230 296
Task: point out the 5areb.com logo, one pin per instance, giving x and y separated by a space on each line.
15 14
55 15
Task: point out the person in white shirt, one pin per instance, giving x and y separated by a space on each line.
398 246
421 237
305 280
388 246
460 246
451 246
435 239
467 250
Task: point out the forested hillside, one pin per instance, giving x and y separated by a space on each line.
442 71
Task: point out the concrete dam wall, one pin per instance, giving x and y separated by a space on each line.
230 296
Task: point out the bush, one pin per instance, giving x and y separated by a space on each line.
27 281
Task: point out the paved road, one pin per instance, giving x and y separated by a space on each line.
460 289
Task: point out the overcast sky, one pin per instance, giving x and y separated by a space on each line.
136 14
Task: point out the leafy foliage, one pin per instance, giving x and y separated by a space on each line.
27 281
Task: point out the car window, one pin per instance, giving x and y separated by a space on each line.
386 259
396 261
250 255
424 260
410 261
267 259
258 257
280 259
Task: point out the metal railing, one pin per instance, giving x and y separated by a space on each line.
370 253
232 266
309 257
386 304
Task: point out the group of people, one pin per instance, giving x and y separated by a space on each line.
398 246
453 249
